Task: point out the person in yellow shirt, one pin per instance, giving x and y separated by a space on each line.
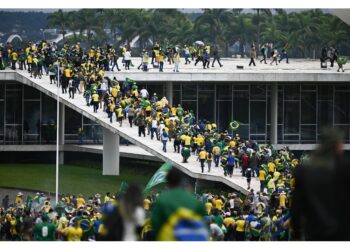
208 207
95 101
262 179
216 154
240 229
120 115
272 168
14 58
74 233
80 201
218 204
229 223
283 200
187 140
201 157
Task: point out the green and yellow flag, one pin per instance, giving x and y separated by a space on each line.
159 177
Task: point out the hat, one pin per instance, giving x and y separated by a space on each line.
97 195
19 194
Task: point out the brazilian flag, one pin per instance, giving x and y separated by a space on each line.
159 177
234 125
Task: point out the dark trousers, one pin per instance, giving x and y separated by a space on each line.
176 147
14 64
200 58
164 145
115 64
264 59
130 120
262 186
142 131
202 164
154 131
216 58
95 107
71 92
161 64
252 62
216 160
284 56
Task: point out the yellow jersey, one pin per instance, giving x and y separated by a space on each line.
74 234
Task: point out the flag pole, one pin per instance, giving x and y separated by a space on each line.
57 131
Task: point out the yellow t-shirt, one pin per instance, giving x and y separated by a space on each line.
68 72
200 141
283 199
202 155
271 166
119 112
216 150
208 207
80 202
74 234
95 97
262 175
240 225
229 221
187 140
218 204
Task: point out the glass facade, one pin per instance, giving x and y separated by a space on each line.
29 117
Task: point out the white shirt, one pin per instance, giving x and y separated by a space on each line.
127 55
232 203
103 86
154 124
144 93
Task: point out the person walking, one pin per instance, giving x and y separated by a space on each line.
274 55
119 113
165 138
176 61
202 157
187 55
71 88
209 159
216 56
284 54
95 101
248 175
154 128
130 113
252 55
127 59
263 53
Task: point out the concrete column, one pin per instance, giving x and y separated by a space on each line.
274 113
61 132
110 153
169 93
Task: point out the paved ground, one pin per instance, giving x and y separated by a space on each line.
230 65
152 146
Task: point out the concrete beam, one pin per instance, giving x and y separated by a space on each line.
110 153
61 132
169 93
274 113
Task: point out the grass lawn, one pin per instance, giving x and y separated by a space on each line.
74 179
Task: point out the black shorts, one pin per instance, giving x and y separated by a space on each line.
249 179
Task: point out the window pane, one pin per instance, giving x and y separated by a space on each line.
258 92
189 91
206 86
291 117
224 114
13 134
292 92
31 93
48 110
243 131
176 98
223 92
14 107
345 130
308 107
241 106
325 92
257 117
206 105
156 88
342 107
2 125
325 117
72 121
31 116
308 87
2 90
280 107
93 134
308 134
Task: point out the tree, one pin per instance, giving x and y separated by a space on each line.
60 19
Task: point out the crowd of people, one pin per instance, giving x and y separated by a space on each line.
261 215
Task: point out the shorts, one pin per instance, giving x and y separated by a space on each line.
120 119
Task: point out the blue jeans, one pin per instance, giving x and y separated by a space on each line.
216 160
164 145
154 130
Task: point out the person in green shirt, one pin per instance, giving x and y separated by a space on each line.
177 214
45 231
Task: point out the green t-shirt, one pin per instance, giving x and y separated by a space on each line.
45 232
169 202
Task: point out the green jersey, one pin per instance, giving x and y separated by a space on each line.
45 232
